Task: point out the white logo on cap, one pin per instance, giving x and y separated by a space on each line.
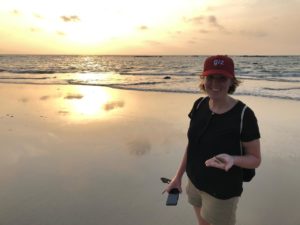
218 62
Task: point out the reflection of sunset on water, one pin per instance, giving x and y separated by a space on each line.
68 160
82 103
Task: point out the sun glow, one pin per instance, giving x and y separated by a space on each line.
91 103
83 102
90 25
118 27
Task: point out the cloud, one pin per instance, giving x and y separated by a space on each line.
191 42
70 18
208 24
211 8
175 34
212 20
212 24
249 33
16 12
38 16
34 29
61 33
195 20
143 28
203 31
153 42
209 21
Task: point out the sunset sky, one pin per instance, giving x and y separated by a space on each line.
150 27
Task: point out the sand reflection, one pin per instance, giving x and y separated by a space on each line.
84 102
74 96
139 147
56 170
113 105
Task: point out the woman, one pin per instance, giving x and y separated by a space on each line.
213 159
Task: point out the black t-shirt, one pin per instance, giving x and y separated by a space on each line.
210 134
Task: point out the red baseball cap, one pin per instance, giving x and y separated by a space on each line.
219 64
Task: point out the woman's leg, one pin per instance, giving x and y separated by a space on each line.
201 221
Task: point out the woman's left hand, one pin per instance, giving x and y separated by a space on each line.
221 161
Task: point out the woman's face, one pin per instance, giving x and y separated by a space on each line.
217 86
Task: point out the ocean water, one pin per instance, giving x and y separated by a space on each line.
266 76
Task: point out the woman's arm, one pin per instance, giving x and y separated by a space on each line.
252 157
250 160
176 181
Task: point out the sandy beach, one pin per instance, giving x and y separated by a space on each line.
74 155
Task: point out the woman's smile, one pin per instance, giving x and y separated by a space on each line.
217 85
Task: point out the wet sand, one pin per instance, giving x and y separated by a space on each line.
93 155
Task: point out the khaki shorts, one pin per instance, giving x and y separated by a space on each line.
213 210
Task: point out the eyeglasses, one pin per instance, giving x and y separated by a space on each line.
218 78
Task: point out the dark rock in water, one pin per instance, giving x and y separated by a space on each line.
167 77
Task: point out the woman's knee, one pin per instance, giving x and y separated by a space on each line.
201 220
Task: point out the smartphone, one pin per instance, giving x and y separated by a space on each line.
173 197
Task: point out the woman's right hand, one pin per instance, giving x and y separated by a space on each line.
175 183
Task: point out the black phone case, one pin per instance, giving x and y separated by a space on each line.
173 197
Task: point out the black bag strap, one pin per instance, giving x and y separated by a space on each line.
208 120
241 126
196 106
199 103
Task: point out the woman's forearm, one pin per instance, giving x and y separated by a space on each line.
246 161
252 158
182 166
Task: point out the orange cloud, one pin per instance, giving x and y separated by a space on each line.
143 27
16 12
70 18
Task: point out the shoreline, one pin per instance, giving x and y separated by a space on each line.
153 90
